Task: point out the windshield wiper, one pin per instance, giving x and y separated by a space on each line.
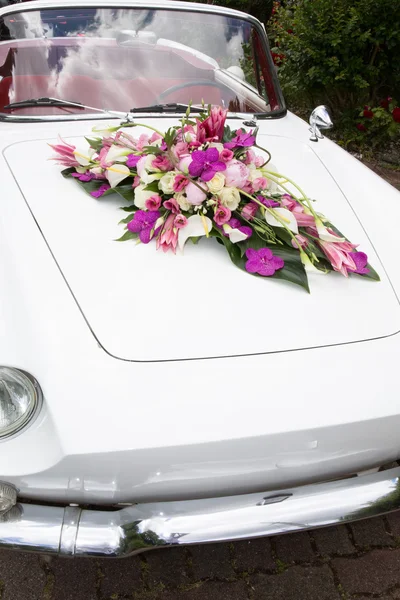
172 107
44 102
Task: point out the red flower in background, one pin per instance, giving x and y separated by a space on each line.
396 114
368 114
385 103
361 127
277 58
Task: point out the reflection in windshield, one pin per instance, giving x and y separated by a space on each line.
122 58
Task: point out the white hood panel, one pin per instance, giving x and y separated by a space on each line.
145 305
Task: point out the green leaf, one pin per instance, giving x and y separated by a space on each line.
126 191
372 274
68 172
127 219
128 235
95 143
128 208
152 150
170 136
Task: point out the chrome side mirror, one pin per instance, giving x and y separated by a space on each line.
319 119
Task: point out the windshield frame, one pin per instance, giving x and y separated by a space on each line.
165 6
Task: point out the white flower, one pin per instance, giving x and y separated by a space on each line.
144 167
96 170
216 184
309 267
255 174
324 233
117 173
284 215
166 183
235 235
197 225
230 197
182 201
217 145
141 195
117 154
83 155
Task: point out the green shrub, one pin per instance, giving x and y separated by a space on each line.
343 53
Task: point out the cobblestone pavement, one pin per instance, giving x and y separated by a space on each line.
360 561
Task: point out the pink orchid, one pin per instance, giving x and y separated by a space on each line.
168 238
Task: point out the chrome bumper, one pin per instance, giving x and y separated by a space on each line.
77 532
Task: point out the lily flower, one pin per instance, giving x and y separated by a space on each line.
282 214
197 225
339 256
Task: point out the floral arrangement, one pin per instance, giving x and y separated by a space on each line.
200 178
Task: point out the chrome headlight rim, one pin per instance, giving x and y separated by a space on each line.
34 409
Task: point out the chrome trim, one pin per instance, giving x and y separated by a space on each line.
34 411
131 530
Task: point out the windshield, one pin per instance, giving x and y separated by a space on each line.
124 58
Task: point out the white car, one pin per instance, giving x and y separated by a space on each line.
148 399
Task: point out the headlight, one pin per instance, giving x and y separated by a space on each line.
20 399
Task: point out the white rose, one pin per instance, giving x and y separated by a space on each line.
216 184
167 182
141 195
182 201
255 174
230 197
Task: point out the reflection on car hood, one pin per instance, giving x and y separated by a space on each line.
145 305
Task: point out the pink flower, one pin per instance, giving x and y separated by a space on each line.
222 215
339 255
180 149
156 136
303 220
195 195
153 203
161 163
65 151
226 155
168 237
260 183
259 161
172 205
136 181
180 221
212 128
303 241
288 202
236 174
180 182
143 141
249 210
250 157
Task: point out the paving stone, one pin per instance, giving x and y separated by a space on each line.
297 583
210 590
74 579
333 540
372 573
254 555
394 522
22 576
166 567
371 532
120 577
295 547
212 561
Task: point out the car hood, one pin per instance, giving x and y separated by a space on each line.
144 305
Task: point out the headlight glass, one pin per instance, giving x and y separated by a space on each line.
20 398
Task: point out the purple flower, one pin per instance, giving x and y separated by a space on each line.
263 262
143 223
268 202
84 176
102 189
360 260
205 163
243 139
132 160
